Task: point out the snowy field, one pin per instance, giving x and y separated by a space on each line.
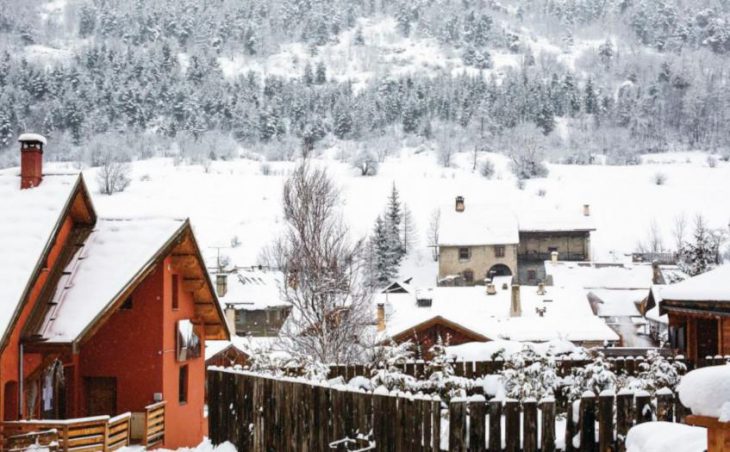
234 198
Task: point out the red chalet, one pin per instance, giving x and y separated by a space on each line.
99 317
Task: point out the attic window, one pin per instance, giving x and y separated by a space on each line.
424 302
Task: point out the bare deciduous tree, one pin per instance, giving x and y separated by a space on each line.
323 281
113 176
433 233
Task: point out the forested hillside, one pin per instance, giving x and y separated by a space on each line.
579 78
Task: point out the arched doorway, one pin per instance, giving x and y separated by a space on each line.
499 270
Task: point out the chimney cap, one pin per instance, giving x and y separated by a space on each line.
32 138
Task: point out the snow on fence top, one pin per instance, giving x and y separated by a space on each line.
27 221
706 391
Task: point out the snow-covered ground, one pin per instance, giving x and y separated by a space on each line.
234 198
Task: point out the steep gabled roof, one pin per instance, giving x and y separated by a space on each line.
30 222
115 258
711 286
478 225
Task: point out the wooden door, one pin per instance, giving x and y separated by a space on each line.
101 396
707 340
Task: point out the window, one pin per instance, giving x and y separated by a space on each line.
175 295
552 248
499 251
464 254
531 275
127 305
183 385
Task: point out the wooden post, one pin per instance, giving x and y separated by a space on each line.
477 423
436 423
547 408
529 427
481 369
457 425
605 422
624 404
495 426
379 421
512 428
643 410
588 422
665 405
570 429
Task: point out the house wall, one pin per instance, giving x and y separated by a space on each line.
482 259
427 337
128 347
570 245
9 358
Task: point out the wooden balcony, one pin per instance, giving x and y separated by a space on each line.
90 434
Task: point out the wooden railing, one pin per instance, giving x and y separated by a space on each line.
154 421
91 434
22 442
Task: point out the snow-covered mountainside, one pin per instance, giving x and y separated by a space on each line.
235 199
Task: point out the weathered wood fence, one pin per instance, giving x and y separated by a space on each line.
258 413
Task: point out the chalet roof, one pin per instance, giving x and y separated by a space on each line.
554 220
253 289
567 313
711 286
478 225
29 219
114 258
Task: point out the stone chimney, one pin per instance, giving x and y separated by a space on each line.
515 308
31 160
380 317
491 289
221 284
656 274
460 204
541 289
554 257
230 313
586 210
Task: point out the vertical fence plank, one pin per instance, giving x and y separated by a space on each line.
495 426
605 421
436 423
457 425
624 418
643 411
570 429
512 427
477 423
588 422
664 405
547 440
529 425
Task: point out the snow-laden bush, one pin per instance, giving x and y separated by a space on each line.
660 178
442 379
711 161
528 374
486 169
595 377
655 373
386 366
113 176
366 162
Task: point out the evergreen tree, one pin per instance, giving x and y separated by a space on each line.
385 267
703 252
320 77
393 220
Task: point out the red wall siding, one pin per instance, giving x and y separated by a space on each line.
128 347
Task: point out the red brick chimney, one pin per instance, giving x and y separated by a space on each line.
31 159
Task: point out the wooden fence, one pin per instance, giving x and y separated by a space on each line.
100 433
154 423
259 413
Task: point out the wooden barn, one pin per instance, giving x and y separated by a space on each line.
100 316
699 313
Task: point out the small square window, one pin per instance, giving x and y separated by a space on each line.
531 275
464 254
499 251
183 385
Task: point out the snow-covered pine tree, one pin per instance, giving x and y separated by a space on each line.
409 230
702 253
384 266
393 220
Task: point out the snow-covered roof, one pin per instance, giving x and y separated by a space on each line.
253 289
567 314
711 286
706 391
247 345
618 302
484 351
115 252
29 219
554 220
595 275
478 225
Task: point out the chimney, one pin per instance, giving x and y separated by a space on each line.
515 309
460 204
380 317
586 210
491 289
31 159
554 257
230 313
221 284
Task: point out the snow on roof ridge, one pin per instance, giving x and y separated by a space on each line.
32 137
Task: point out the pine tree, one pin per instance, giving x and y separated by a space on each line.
409 230
320 77
702 253
384 266
393 221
